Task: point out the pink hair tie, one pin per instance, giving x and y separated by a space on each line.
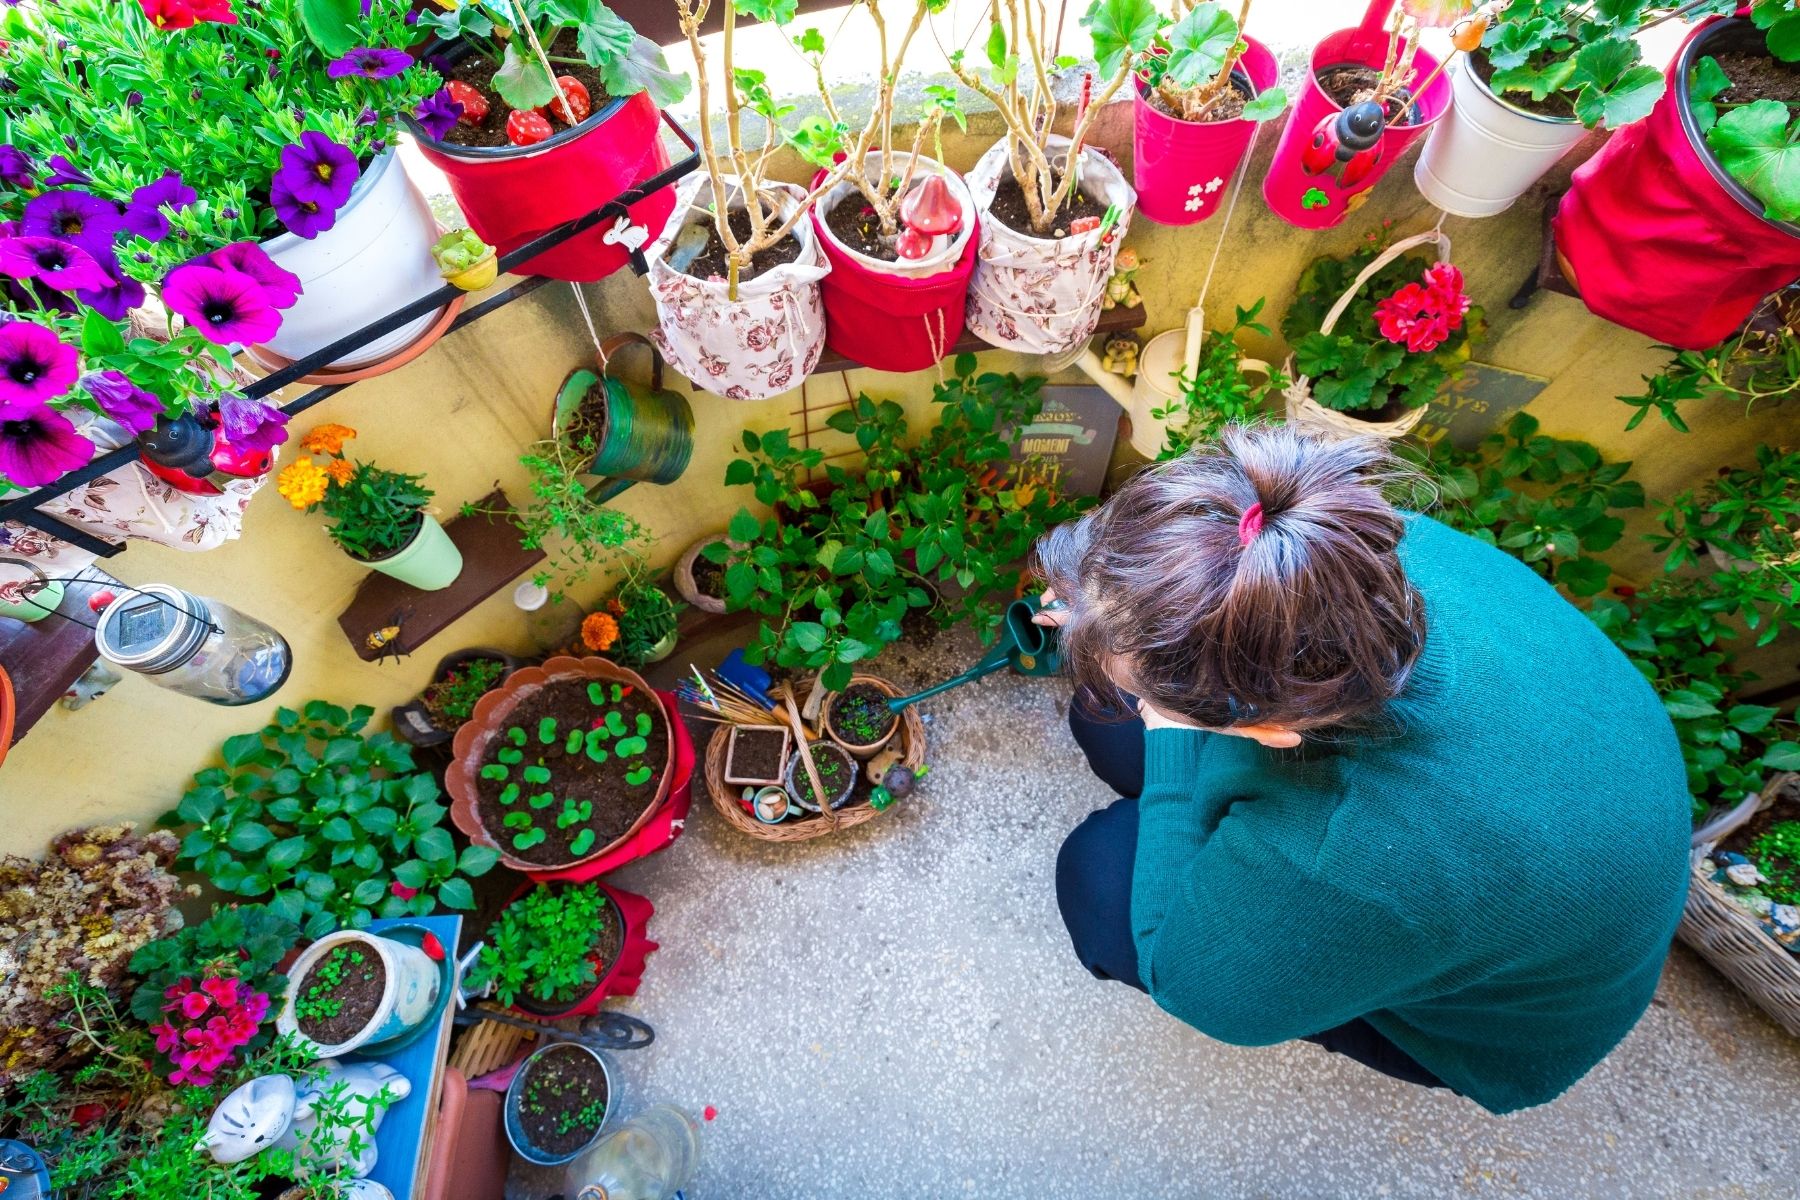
1250 524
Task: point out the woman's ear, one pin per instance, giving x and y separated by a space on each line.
1271 736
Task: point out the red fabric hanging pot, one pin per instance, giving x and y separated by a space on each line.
1657 237
891 322
624 973
512 194
1181 168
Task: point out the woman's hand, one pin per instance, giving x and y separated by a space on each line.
1051 611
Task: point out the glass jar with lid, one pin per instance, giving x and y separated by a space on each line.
193 645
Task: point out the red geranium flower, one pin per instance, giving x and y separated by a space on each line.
1422 316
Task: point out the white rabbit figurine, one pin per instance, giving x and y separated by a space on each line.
271 1111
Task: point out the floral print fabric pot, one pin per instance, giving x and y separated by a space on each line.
1319 201
1657 237
896 316
374 259
1486 153
512 194
758 345
1181 168
430 562
1042 295
409 994
624 974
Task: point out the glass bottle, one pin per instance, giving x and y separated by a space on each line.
552 625
650 1157
193 645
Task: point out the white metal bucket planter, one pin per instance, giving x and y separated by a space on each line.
374 259
1042 295
1485 153
762 343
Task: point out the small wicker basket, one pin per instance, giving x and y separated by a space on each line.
1732 939
725 796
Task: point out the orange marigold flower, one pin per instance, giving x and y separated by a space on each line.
341 470
616 607
301 483
327 439
599 631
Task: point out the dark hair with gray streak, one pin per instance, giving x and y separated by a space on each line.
1312 623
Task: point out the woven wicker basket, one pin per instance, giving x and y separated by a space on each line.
725 795
1733 940
1307 413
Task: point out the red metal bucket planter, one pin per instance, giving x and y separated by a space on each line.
1658 238
1182 169
1320 200
512 194
624 973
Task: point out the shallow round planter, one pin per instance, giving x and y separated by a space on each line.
409 996
796 770
515 1129
374 259
622 976
860 749
430 562
896 316
512 194
1654 233
1181 169
1485 153
683 575
1319 200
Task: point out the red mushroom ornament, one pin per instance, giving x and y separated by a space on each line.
913 243
930 212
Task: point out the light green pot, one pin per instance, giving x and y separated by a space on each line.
40 603
430 562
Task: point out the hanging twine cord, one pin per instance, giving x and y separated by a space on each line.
1237 187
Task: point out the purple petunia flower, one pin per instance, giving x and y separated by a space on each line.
35 365
123 400
280 285
438 113
72 215
61 265
15 168
144 215
304 218
366 117
225 306
251 424
63 172
121 294
317 171
370 62
38 445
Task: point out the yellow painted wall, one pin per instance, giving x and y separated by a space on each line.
463 412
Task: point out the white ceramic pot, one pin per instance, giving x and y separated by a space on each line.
411 991
430 562
375 259
1485 153
1157 386
939 260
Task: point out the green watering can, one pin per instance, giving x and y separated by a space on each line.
1027 647
645 437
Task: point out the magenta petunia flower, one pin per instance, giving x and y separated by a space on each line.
123 400
39 445
318 171
72 215
61 265
304 218
438 113
15 167
251 424
120 295
35 365
144 216
370 62
280 285
225 306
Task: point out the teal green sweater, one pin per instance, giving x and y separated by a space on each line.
1492 881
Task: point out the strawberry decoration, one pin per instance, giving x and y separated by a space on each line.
475 105
577 106
527 127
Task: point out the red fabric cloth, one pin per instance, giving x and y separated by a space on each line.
889 323
1656 244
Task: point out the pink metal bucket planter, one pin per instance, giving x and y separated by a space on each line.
1657 238
1319 201
1181 168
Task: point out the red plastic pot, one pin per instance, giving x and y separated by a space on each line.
1320 200
512 194
624 973
1182 169
1658 238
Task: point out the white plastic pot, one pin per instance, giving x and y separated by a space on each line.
939 260
410 992
374 259
1485 153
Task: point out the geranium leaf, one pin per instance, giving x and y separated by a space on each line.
522 81
1198 44
1120 29
331 25
1761 148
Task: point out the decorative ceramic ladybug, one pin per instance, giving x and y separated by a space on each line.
1347 144
192 457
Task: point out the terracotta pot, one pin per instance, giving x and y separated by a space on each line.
1182 169
9 709
861 749
623 974
491 711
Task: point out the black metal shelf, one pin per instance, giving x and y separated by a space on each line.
24 508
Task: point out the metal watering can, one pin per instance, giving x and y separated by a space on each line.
647 437
1028 648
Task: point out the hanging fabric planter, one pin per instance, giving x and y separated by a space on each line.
1043 295
766 340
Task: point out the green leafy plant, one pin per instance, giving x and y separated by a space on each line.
333 827
545 946
1776 853
1581 56
1758 364
240 941
374 512
646 616
1191 61
1219 393
564 516
451 700
1757 140
834 569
